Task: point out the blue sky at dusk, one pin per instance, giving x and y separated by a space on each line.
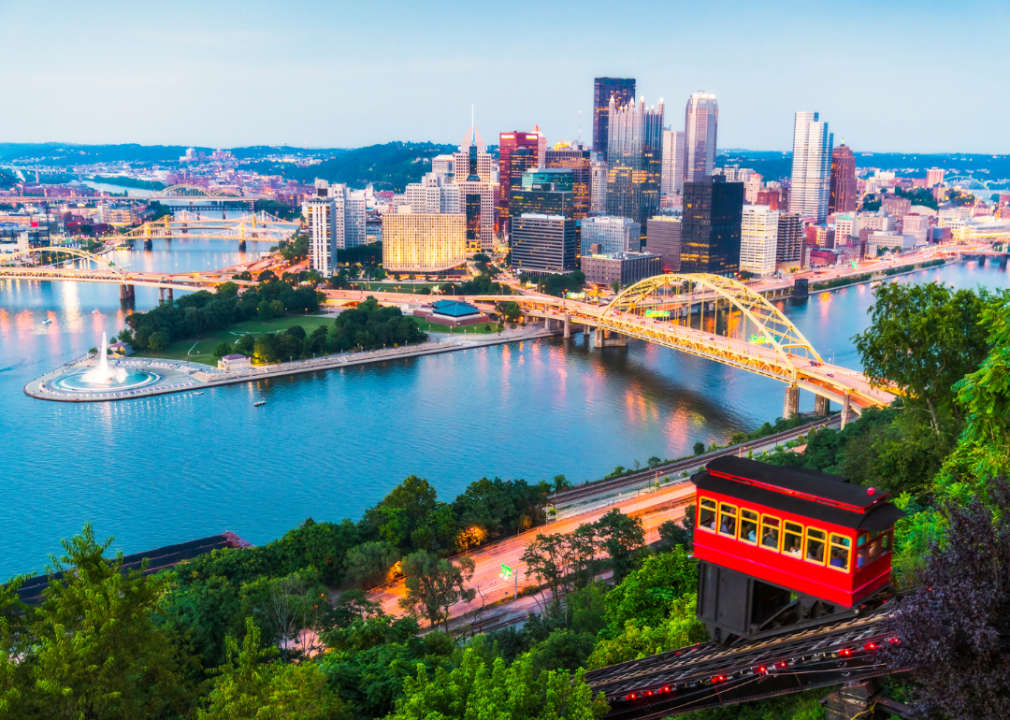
899 76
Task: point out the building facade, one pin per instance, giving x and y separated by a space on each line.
434 194
598 188
423 242
611 234
701 124
576 159
710 241
790 239
324 217
543 244
672 174
759 235
934 177
634 161
843 195
622 90
508 144
809 190
664 233
625 268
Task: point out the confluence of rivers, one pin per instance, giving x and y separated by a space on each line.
328 445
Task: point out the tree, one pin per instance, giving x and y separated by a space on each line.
654 461
249 687
699 448
222 349
647 595
97 651
549 558
924 339
622 535
368 564
954 631
435 584
517 691
157 342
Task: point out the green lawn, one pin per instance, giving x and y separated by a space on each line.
468 329
202 350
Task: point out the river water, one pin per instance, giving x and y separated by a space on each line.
328 445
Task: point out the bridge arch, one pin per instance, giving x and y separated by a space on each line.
776 328
191 191
77 252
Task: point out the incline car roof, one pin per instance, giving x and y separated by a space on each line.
812 494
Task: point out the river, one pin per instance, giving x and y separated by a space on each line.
328 445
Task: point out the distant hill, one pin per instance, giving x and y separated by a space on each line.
387 167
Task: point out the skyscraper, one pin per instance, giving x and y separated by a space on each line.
759 232
577 160
710 240
509 144
790 239
598 188
672 180
623 91
810 188
701 121
476 194
543 244
843 193
635 159
336 220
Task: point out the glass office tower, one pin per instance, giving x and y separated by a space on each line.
620 89
635 159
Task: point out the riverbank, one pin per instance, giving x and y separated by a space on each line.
177 376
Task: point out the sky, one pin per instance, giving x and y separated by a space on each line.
902 76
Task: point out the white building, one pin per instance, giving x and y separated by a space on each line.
672 177
461 159
891 240
809 191
847 226
433 195
612 234
423 242
759 239
989 229
934 177
336 220
735 173
12 245
442 165
598 188
751 187
917 226
878 222
701 124
950 214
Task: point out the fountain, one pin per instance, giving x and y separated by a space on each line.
104 377
102 374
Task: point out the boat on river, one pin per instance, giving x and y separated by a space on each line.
259 402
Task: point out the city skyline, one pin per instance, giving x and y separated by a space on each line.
400 89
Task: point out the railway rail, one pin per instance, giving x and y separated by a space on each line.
780 663
581 492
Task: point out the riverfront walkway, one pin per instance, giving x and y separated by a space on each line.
174 376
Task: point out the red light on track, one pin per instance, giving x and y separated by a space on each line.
666 688
648 693
761 670
632 696
781 664
719 679
893 641
845 652
870 646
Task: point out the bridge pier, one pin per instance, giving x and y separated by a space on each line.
822 406
792 405
148 244
604 338
241 245
1002 262
161 295
846 410
171 297
127 292
568 327
981 260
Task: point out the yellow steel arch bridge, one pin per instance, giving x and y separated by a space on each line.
253 227
191 191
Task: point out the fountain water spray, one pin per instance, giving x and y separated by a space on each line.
102 374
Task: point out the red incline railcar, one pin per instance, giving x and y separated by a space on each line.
783 545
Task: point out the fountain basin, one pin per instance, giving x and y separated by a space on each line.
131 380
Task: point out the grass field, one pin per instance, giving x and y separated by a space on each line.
467 329
413 288
202 350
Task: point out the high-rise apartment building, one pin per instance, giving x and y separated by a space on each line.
434 194
701 123
672 178
634 160
577 159
611 234
710 241
622 90
664 233
844 193
789 239
598 187
336 220
423 242
934 177
759 233
543 244
811 179
476 193
512 164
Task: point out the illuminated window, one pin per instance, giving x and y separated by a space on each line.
815 546
727 520
792 543
770 532
748 526
706 515
841 550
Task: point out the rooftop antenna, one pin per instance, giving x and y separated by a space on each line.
473 130
580 127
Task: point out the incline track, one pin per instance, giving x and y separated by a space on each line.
710 675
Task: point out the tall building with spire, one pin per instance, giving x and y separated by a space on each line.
604 88
472 170
634 160
701 123
809 190
518 152
844 192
